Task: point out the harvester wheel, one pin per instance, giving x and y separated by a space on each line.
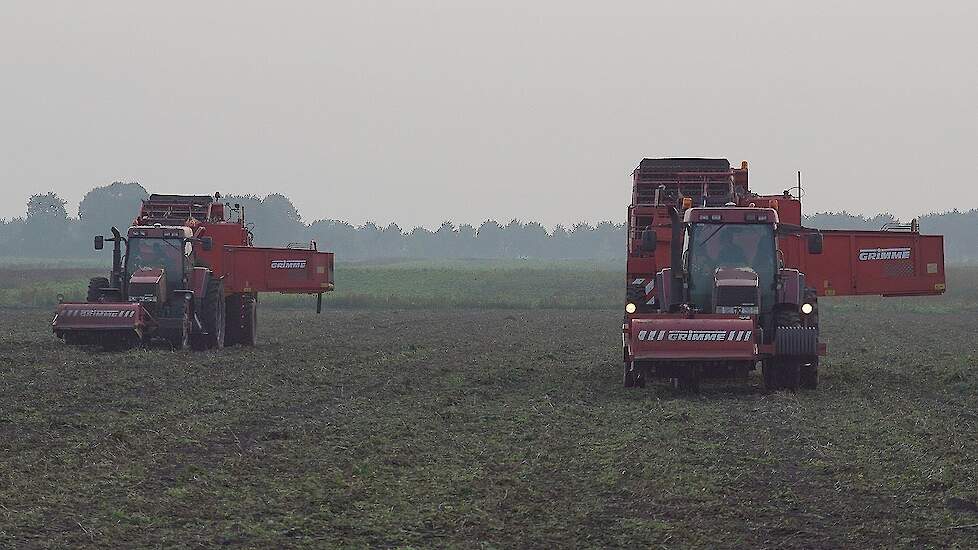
809 376
689 383
213 314
628 377
232 321
95 286
249 322
770 376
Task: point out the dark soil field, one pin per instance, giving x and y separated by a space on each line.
496 428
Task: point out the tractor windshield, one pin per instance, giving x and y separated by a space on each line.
149 253
712 246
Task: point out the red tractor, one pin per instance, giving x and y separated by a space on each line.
187 275
737 280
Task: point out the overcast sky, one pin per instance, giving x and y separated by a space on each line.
418 112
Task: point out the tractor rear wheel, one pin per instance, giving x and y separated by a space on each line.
95 286
628 377
212 315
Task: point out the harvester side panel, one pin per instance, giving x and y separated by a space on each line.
887 263
287 270
223 234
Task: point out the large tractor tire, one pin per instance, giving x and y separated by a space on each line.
232 319
213 317
242 320
249 322
628 377
786 372
809 376
180 339
95 286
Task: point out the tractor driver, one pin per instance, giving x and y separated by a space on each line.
730 254
150 254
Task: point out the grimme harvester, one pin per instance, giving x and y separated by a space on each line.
189 276
720 279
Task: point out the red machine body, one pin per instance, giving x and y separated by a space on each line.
666 335
207 295
895 261
297 269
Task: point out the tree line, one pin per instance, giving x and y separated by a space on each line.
48 231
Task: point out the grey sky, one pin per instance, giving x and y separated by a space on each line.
418 112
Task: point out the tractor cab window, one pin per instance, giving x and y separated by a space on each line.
166 254
712 246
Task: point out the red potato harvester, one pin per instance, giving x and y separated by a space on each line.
186 274
721 279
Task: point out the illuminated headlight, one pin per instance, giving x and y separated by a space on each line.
630 308
807 308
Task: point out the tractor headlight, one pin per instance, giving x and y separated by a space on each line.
630 308
807 308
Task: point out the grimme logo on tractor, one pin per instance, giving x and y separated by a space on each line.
99 313
288 264
884 254
695 335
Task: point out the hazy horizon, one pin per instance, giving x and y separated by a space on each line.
416 113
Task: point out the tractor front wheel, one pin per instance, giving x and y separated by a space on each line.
95 286
213 314
809 376
782 373
180 340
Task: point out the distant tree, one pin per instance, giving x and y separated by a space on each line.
561 245
390 243
419 243
445 241
845 220
534 241
113 205
45 230
274 220
335 236
489 240
466 242
959 230
11 235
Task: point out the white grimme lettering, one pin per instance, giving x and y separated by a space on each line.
288 264
99 313
695 335
869 254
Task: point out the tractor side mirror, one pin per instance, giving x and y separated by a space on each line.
99 242
648 242
815 243
207 243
